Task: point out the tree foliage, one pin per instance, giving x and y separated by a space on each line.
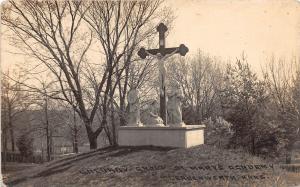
243 98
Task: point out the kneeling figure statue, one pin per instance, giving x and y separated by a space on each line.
151 118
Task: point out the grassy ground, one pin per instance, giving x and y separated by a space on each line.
154 166
10 168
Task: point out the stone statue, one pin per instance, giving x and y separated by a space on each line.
134 108
174 106
162 75
151 117
162 68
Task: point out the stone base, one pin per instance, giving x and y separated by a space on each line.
185 136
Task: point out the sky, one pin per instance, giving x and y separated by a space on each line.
226 28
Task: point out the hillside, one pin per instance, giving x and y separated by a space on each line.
154 166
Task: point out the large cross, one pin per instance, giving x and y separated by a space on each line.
162 53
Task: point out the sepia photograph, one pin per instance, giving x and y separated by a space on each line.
150 93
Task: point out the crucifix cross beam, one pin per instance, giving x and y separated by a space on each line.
164 53
162 29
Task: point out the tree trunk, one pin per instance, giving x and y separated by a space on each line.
104 117
51 144
113 124
91 135
122 112
108 134
12 137
75 143
49 141
93 142
114 142
48 144
48 130
4 148
75 138
42 145
75 147
11 130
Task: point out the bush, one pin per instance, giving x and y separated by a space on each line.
218 132
25 145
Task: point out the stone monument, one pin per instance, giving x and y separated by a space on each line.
161 54
134 108
152 118
169 134
174 106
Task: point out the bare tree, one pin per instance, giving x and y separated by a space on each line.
45 116
200 79
281 78
72 125
49 32
296 99
54 33
120 27
14 102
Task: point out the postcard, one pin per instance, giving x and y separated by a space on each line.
150 93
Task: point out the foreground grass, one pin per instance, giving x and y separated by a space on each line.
154 166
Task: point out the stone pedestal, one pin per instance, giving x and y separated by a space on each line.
166 136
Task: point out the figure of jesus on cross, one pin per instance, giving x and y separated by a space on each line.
162 54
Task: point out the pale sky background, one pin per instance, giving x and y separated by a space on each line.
226 28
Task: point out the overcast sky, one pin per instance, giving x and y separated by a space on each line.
226 28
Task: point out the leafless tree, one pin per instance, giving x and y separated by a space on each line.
282 82
281 79
200 79
49 32
120 27
45 115
72 125
56 34
14 102
279 76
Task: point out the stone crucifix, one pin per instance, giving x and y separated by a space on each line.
162 54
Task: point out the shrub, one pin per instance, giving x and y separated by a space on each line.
218 132
25 145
